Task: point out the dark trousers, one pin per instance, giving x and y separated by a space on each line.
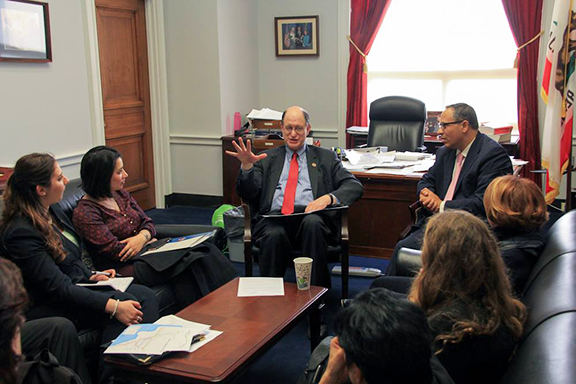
111 328
277 237
413 241
59 336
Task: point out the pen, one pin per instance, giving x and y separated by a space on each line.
101 273
105 273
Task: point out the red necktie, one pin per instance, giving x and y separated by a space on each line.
290 192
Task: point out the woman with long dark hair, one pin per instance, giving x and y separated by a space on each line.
115 229
49 256
465 292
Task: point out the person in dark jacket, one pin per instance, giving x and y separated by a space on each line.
22 340
115 229
516 209
382 338
464 167
466 295
49 257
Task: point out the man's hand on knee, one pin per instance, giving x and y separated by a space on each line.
319 204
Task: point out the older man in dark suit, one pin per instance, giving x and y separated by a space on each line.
465 165
295 177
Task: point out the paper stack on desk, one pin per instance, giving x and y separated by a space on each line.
264 114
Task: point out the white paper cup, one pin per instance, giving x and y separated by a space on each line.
303 267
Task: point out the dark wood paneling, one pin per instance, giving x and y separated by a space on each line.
125 91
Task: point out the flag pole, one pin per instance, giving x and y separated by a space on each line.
568 204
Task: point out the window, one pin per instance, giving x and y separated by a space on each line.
444 52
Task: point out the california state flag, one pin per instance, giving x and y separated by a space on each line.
558 87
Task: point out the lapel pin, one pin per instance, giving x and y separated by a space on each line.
314 164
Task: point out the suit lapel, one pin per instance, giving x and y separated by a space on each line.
277 159
312 160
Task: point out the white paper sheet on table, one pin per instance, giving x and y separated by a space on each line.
208 337
260 286
209 334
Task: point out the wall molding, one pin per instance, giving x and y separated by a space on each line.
70 160
195 140
93 71
207 140
159 99
158 90
343 54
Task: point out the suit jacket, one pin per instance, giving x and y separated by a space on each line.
327 175
486 160
51 286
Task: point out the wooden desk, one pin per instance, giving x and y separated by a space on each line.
250 325
378 218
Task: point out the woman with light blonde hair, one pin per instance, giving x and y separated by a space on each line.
516 209
466 295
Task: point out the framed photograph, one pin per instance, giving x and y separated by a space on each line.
297 36
432 123
24 32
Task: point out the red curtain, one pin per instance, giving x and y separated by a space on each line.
525 18
365 20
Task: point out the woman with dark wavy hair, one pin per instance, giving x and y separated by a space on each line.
115 229
465 292
516 209
49 256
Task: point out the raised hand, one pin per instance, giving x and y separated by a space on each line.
244 154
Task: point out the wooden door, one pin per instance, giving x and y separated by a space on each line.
126 93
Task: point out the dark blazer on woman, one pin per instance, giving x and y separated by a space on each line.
49 284
520 251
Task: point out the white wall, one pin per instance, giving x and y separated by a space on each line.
238 52
212 72
45 107
311 82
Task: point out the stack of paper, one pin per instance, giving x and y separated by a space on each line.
118 283
264 114
168 334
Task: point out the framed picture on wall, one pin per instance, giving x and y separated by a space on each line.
24 31
297 36
432 123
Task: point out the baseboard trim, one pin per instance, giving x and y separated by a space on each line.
191 200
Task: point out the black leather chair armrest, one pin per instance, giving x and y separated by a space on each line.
409 262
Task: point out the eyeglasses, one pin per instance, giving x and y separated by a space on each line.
299 130
443 125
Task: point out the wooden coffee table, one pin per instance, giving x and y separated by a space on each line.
251 326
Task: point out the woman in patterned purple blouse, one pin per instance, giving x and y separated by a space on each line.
115 229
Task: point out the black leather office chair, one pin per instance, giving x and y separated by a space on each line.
335 253
398 123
